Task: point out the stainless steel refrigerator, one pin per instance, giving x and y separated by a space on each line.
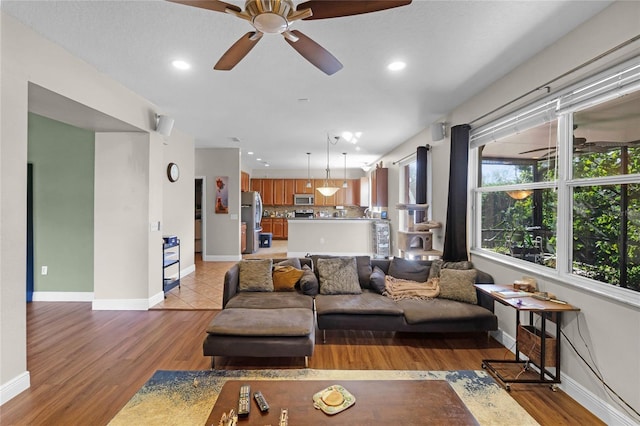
251 214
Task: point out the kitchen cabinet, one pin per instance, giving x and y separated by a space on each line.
301 187
256 185
283 190
265 188
349 196
379 187
278 228
267 224
244 182
289 190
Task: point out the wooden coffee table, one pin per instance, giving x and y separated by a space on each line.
405 402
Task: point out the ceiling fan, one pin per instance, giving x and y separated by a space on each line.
581 146
276 17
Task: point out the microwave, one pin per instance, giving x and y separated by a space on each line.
303 199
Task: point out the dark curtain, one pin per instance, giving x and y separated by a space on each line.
421 180
455 235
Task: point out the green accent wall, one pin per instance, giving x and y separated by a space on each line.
63 177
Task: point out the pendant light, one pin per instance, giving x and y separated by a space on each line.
308 185
327 190
344 182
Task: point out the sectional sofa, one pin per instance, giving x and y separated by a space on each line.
340 294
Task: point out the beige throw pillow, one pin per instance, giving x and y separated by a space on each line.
338 275
458 285
255 275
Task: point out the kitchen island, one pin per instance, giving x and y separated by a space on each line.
333 236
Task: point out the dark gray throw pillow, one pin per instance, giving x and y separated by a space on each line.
339 275
308 282
255 275
408 270
376 280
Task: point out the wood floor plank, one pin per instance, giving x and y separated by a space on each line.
85 365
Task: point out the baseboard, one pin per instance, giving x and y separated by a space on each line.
14 387
215 258
156 298
188 270
600 408
121 304
62 296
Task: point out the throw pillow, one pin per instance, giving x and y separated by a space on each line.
285 278
339 275
255 275
292 261
458 285
436 266
376 281
408 270
309 282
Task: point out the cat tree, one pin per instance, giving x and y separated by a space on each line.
416 241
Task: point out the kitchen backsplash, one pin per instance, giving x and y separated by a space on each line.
318 211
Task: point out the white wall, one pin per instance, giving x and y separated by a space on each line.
222 231
611 329
179 197
27 57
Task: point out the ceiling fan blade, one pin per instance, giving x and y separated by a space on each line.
238 51
315 53
215 5
537 149
323 9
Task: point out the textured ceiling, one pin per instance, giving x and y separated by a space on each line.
453 49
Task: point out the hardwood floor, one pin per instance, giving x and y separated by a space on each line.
85 365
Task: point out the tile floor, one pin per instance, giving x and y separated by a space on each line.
202 290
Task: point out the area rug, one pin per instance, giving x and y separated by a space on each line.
187 397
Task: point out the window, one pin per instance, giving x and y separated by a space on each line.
519 200
410 182
559 184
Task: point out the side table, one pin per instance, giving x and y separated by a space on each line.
541 349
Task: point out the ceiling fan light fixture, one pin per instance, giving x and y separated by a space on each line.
270 23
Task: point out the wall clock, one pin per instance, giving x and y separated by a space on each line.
173 172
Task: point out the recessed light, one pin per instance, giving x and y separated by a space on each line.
266 164
250 153
181 65
396 66
258 159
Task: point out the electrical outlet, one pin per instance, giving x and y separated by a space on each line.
45 270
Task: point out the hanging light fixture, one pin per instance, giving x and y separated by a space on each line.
327 190
344 182
308 185
520 194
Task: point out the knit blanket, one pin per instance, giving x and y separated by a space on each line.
399 289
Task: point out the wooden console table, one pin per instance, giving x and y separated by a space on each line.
541 349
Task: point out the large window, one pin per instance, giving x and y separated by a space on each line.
559 183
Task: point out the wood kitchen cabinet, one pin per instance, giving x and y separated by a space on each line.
379 187
283 190
289 190
265 188
278 228
349 196
245 185
301 187
256 185
267 224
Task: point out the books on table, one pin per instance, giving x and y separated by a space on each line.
508 294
